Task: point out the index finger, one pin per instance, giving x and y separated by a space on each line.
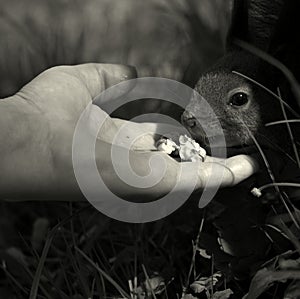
99 76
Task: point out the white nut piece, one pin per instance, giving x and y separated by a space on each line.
166 145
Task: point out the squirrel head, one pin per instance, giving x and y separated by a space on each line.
242 107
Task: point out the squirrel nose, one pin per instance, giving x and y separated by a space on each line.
188 119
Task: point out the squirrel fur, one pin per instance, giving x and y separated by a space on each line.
238 221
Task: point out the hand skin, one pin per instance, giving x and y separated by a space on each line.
37 127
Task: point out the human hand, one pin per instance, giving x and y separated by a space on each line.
39 124
40 121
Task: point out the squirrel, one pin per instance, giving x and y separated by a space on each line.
240 237
237 102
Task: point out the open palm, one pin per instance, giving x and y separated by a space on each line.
46 111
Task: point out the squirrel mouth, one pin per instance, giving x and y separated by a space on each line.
213 144
218 145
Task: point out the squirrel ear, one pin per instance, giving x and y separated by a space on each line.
262 18
285 41
285 46
238 28
254 21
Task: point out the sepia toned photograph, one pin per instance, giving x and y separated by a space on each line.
149 149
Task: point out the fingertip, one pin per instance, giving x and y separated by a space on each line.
131 71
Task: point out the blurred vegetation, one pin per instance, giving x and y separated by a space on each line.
168 38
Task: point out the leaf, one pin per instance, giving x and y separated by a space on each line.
293 290
225 294
265 278
205 283
188 296
289 264
156 283
271 264
203 253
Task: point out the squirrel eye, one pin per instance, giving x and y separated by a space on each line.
238 99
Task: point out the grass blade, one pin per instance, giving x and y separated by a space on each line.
104 274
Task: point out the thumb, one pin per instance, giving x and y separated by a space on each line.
99 76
